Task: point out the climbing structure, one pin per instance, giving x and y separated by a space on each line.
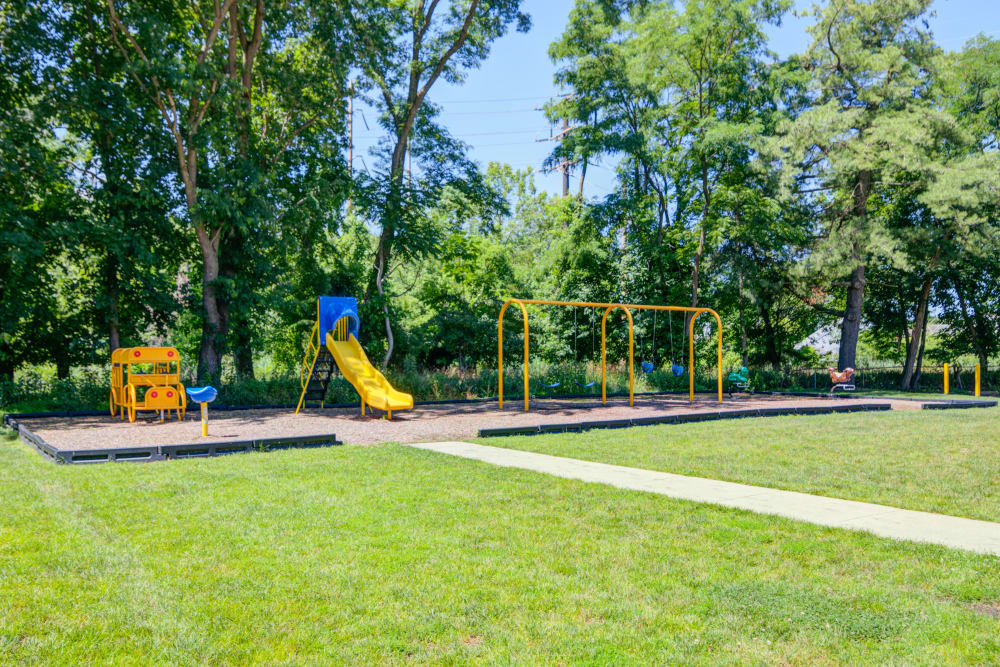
333 342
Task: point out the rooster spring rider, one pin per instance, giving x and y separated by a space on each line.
841 379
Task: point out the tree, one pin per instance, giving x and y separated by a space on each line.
36 193
870 118
125 240
200 66
683 112
403 50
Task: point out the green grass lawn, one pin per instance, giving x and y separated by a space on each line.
936 461
388 554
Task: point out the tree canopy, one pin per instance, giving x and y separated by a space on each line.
178 172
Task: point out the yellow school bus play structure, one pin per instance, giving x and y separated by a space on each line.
146 378
627 308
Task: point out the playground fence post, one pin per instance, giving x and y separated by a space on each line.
978 373
946 378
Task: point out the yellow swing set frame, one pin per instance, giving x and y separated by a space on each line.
608 308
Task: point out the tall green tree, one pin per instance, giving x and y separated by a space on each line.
204 67
870 118
403 49
37 207
125 241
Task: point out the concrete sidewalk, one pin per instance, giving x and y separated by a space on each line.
900 524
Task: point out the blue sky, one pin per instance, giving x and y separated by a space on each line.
495 110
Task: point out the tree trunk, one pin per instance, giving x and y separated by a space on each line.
770 344
743 326
972 324
916 345
904 329
920 358
850 327
111 189
209 366
383 254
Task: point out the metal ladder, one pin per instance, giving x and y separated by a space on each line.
315 377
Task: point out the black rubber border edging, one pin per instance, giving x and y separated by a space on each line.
957 405
577 427
165 452
928 403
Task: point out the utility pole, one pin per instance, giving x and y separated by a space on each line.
350 136
350 128
565 166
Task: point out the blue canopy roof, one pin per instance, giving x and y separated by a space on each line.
332 308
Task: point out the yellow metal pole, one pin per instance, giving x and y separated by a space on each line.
524 314
631 373
604 354
691 358
500 356
946 378
204 419
527 392
718 324
978 373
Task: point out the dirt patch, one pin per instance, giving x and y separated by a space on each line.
991 609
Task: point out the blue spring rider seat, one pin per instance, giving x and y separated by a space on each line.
204 396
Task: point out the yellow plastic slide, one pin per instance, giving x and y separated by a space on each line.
374 389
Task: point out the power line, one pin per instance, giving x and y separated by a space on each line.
476 113
471 134
499 99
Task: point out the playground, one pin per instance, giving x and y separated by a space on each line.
777 524
148 418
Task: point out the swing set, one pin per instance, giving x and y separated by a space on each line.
608 308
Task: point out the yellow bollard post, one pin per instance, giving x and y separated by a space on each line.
978 373
204 419
946 378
